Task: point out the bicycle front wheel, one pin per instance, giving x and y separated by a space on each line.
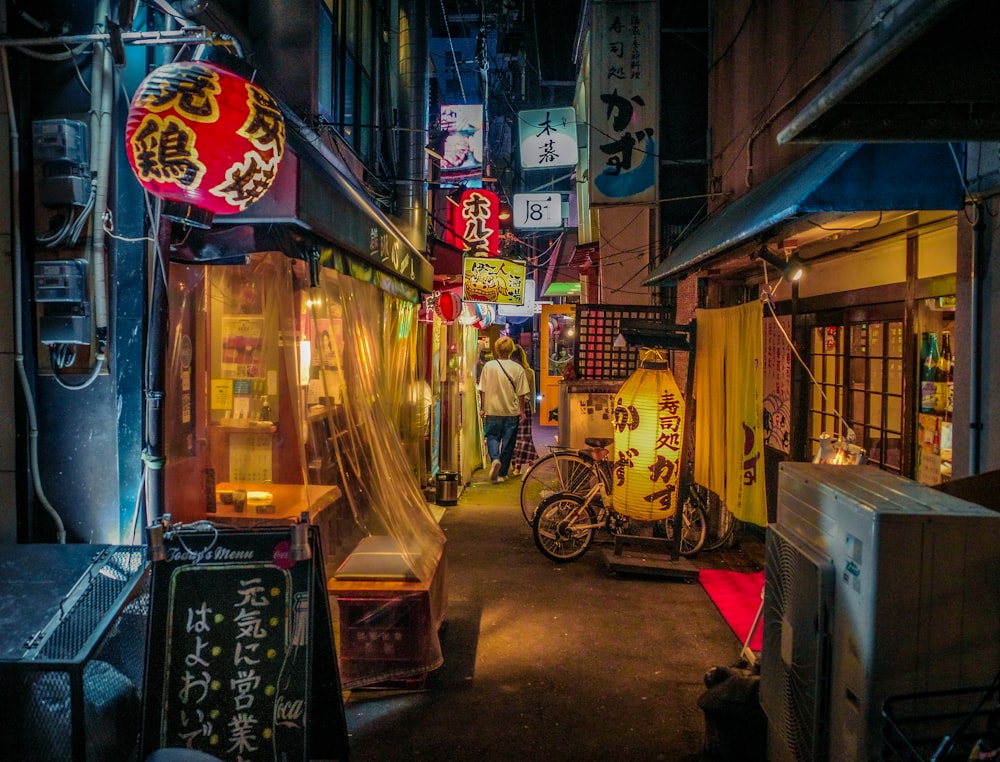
727 526
559 471
563 527
694 526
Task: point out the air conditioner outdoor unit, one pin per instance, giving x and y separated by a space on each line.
794 664
876 586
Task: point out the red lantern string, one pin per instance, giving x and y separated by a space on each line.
449 306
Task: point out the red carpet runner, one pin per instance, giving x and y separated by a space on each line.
737 596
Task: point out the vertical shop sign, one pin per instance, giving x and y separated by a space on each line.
461 143
548 138
474 222
777 383
625 104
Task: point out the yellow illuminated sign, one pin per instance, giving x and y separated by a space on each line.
492 279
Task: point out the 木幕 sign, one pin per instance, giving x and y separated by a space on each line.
548 138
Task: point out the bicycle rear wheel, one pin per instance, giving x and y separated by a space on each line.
727 528
694 525
727 524
559 471
563 527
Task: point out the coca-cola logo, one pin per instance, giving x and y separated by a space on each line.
283 555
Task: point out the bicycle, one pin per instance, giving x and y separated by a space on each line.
728 525
561 470
564 522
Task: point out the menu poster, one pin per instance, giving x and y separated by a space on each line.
241 662
777 383
242 347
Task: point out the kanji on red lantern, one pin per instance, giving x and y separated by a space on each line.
204 139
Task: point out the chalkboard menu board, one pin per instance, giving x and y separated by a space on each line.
241 662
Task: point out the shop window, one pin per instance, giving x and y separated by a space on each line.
827 393
935 325
349 43
875 378
858 373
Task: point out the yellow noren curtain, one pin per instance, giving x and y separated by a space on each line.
728 382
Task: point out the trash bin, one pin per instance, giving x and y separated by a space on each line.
735 724
447 488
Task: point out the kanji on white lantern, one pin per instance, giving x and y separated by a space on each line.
203 138
649 437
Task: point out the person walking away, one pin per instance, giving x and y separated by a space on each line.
524 446
502 387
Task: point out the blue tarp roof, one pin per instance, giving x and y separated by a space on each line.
841 177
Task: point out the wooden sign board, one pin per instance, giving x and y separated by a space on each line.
241 661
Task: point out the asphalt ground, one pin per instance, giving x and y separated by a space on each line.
546 661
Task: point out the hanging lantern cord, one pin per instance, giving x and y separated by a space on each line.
653 358
849 432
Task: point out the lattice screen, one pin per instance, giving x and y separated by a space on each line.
597 327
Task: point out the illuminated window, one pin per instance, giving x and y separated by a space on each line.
858 367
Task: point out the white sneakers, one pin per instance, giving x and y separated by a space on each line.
494 471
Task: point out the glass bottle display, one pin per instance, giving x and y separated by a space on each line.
941 375
930 355
947 366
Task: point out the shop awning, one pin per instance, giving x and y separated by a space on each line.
928 70
315 192
843 177
562 276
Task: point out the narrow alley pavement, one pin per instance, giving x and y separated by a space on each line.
553 662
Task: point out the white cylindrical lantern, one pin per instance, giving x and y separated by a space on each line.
649 438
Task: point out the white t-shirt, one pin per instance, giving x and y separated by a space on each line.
499 396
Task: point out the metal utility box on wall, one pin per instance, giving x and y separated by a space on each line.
586 409
60 147
914 604
61 287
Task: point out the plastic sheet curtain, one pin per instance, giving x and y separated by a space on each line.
223 391
728 384
407 393
268 377
375 355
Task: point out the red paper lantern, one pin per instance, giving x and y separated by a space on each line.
449 306
204 139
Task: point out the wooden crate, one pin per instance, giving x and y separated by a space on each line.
388 628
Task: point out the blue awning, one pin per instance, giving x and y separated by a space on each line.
841 177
